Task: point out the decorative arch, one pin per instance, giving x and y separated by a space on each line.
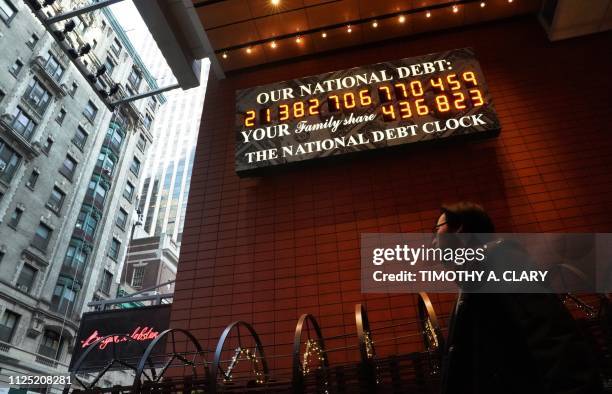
316 345
146 359
262 376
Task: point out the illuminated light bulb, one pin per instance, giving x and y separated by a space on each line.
510 1
375 24
273 44
324 35
482 4
224 55
349 29
455 9
402 19
298 39
428 15
275 2
249 50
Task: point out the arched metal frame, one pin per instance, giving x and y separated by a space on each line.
174 355
431 331
298 369
115 360
364 333
216 365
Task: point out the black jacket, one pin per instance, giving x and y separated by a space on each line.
517 343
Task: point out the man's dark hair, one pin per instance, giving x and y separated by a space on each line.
468 216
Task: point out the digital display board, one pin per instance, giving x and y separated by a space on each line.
400 102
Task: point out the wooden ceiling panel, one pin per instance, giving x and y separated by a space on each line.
223 13
231 23
332 13
232 35
369 8
261 8
286 23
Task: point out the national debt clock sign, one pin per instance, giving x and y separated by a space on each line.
408 101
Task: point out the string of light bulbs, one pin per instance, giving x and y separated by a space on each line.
374 22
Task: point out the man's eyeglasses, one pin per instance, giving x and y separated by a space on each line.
437 226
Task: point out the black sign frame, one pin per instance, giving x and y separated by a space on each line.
481 120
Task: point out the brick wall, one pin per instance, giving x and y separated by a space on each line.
265 250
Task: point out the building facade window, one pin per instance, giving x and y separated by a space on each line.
110 66
16 67
8 324
23 124
142 143
2 95
75 257
148 120
107 281
138 277
50 345
61 116
47 146
128 192
42 236
68 168
116 46
31 43
88 223
80 138
9 161
53 67
115 138
73 89
64 296
7 11
31 183
135 166
90 111
135 78
106 163
37 96
27 276
97 192
113 251
15 218
56 200
122 217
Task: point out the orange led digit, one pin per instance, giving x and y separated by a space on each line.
384 94
420 107
416 87
459 100
283 112
349 100
452 81
268 115
476 97
364 97
313 106
442 103
469 76
388 112
250 118
298 109
404 109
400 90
334 103
437 84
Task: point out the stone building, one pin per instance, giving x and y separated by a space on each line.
69 169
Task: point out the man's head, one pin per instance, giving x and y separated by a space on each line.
462 217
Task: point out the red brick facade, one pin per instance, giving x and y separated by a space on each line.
265 250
